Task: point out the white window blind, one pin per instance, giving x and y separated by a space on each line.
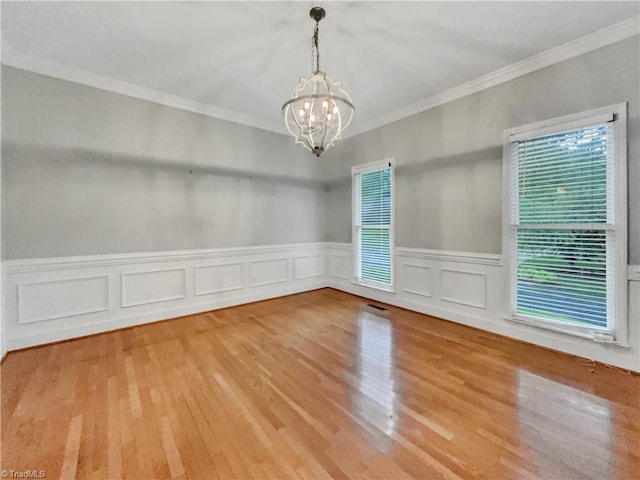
373 226
563 217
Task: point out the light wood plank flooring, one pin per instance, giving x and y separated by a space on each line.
315 385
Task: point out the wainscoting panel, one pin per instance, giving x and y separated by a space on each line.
416 279
142 288
268 272
464 287
308 267
53 299
210 279
47 300
339 266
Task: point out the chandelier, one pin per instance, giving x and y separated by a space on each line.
319 110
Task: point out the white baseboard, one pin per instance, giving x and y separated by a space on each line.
49 300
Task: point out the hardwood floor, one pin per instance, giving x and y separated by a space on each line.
314 385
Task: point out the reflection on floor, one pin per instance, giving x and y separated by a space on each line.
563 426
373 397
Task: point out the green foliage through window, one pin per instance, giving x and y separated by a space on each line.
562 182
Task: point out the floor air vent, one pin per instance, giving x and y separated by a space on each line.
377 310
377 307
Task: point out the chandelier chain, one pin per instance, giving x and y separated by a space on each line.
315 51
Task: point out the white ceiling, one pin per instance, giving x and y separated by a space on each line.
246 56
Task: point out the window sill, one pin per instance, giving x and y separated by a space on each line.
382 288
573 330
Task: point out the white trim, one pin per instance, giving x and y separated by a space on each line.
494 259
552 126
127 275
72 74
566 122
108 260
411 290
254 283
593 41
451 255
508 246
371 166
320 256
618 114
453 299
199 292
583 331
633 273
346 261
621 226
356 171
57 316
374 285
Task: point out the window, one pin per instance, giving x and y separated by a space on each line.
373 224
567 231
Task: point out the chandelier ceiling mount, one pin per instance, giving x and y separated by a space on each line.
317 13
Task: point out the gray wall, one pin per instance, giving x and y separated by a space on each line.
86 171
449 158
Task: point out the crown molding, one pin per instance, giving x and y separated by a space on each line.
601 38
65 72
598 39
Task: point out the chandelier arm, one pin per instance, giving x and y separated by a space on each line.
295 119
307 137
300 135
324 134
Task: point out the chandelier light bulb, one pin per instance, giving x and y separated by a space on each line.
317 129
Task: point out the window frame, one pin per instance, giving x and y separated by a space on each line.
355 222
618 114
